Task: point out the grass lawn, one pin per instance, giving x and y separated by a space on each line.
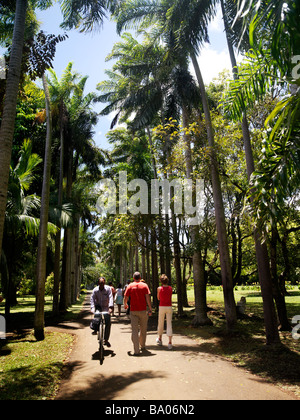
30 369
246 347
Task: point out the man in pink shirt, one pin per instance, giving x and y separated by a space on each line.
139 294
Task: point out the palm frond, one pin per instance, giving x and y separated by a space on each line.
84 15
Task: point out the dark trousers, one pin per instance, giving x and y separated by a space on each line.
107 320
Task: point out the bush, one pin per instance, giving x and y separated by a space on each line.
26 286
49 285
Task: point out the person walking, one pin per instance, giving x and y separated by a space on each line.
119 297
128 302
102 300
139 295
164 295
114 294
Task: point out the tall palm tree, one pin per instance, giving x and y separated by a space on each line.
42 54
145 83
186 21
86 15
43 233
75 120
11 95
262 256
9 108
60 92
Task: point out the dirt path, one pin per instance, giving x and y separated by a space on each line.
183 373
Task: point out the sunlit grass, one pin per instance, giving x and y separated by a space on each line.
32 370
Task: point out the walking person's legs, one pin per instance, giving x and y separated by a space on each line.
161 321
165 312
135 331
107 330
169 314
143 329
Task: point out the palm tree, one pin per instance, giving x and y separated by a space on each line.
11 95
186 22
143 83
76 120
85 15
272 65
42 54
60 91
43 233
9 108
261 247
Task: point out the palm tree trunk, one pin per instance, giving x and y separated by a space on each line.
9 108
230 306
201 317
262 256
66 266
152 153
154 264
43 233
59 203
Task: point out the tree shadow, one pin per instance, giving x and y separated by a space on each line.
29 383
102 387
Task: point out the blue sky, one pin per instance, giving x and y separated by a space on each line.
88 53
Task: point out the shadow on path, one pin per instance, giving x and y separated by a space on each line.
101 387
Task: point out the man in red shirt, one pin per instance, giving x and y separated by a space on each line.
139 294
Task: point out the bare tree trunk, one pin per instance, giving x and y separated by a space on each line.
43 233
143 255
9 108
55 307
155 282
262 256
177 265
230 306
201 317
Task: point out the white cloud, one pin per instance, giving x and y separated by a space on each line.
212 63
217 24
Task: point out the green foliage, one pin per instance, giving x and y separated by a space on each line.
26 286
269 67
42 53
84 15
29 373
49 285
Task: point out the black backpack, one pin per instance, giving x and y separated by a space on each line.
94 325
